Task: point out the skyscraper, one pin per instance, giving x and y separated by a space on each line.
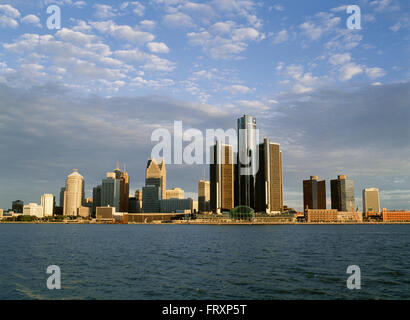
371 201
17 206
203 196
150 199
47 201
124 191
342 194
174 193
269 181
96 199
110 191
156 174
314 193
62 190
74 193
247 160
222 177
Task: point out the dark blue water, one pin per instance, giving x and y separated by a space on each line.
204 262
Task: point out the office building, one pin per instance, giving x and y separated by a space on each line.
96 199
151 194
247 160
33 209
314 193
61 200
342 194
17 206
269 179
176 205
74 193
371 201
321 215
110 191
395 215
84 212
156 174
175 193
203 196
47 201
124 190
105 213
222 177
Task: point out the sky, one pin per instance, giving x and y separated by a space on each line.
91 93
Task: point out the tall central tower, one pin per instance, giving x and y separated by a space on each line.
247 160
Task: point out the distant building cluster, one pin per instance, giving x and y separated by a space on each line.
235 187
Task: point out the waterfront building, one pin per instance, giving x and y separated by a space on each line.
84 212
47 201
203 196
33 209
74 193
342 194
151 194
222 177
269 179
17 206
1 212
110 191
105 213
395 215
176 205
321 215
371 201
61 200
175 193
247 160
96 199
124 190
314 193
156 174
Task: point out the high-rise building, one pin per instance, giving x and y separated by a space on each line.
222 177
135 203
203 196
74 193
47 201
371 201
314 193
247 160
110 191
342 194
61 202
17 206
156 174
124 191
174 193
150 199
269 180
96 199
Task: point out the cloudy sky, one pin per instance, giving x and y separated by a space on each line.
92 92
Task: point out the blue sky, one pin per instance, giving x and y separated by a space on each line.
91 93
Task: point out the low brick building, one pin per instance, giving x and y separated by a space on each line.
395 215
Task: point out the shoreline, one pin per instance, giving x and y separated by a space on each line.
214 223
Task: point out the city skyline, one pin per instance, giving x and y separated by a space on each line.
91 93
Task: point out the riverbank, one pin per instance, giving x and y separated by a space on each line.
192 222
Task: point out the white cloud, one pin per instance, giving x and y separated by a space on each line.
340 58
9 11
349 70
375 72
31 19
157 47
281 36
123 31
178 19
237 89
8 22
104 11
137 7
